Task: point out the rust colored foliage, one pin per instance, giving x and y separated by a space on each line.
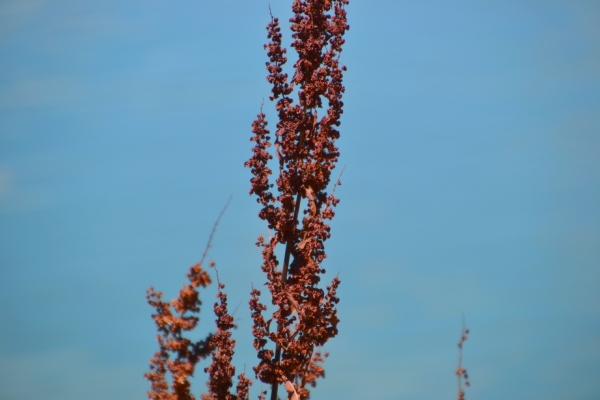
305 315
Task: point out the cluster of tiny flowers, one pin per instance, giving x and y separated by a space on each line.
304 314
178 355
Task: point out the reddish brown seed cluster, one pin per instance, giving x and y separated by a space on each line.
178 355
305 315
221 370
314 370
461 372
185 353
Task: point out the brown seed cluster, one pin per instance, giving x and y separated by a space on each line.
461 372
221 370
305 315
177 355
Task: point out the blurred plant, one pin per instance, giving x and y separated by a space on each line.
305 314
461 372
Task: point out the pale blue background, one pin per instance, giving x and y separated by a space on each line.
471 136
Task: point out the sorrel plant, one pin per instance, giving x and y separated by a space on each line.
304 315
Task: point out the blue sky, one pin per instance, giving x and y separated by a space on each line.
470 136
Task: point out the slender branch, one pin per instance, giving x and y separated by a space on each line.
214 229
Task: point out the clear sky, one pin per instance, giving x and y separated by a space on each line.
471 139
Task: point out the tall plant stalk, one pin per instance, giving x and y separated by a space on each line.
305 314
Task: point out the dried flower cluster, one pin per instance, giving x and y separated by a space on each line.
304 314
178 355
221 370
172 320
461 372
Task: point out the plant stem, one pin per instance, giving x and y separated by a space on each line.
286 262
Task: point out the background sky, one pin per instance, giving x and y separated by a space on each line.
471 139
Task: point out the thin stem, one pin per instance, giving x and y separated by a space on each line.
286 262
214 229
290 244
